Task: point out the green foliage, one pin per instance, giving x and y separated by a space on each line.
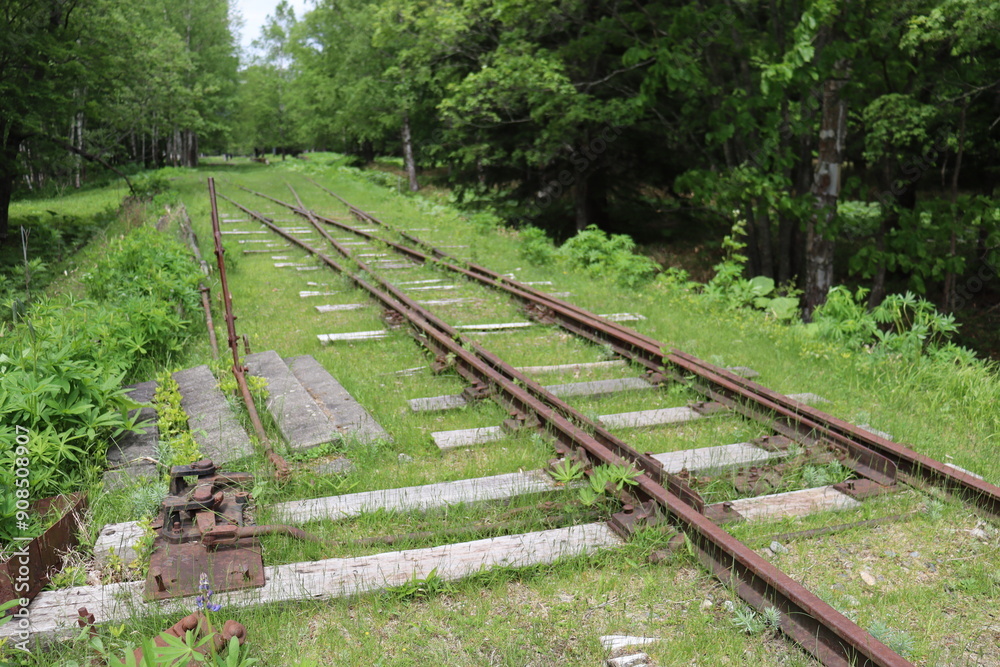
179 651
899 641
567 471
48 238
228 385
151 184
730 287
600 255
535 246
747 620
148 265
421 588
177 443
61 399
902 324
754 623
605 480
832 473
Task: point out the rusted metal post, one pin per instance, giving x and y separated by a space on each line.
280 465
206 303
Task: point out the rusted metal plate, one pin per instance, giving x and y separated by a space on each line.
635 517
773 443
859 489
758 480
707 408
720 513
175 569
29 569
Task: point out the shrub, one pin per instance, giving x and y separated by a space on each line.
608 257
730 287
536 247
62 368
903 324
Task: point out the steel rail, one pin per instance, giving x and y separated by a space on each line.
281 470
815 625
638 348
879 457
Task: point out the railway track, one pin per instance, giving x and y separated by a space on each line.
664 498
880 465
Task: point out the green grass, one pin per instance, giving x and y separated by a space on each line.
554 614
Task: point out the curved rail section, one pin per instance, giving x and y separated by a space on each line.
811 622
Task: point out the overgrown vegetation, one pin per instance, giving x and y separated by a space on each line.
65 360
556 612
591 251
177 444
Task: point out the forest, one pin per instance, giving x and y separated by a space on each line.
842 142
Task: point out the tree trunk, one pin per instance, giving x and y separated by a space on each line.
154 147
411 166
581 202
190 144
367 151
751 241
8 173
948 298
826 190
6 190
765 250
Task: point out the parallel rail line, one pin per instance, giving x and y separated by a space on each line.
870 455
815 625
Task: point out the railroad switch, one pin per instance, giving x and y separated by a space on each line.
190 513
203 528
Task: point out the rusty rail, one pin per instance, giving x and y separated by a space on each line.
281 470
871 455
815 625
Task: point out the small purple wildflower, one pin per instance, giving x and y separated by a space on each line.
204 601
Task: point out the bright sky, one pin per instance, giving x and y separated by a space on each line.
255 12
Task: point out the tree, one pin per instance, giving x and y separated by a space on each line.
38 72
